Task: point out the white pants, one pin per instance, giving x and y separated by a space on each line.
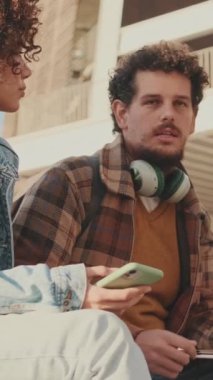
77 345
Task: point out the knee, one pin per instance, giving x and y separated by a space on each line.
89 323
102 316
107 323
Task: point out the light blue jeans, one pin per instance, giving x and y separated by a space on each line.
77 345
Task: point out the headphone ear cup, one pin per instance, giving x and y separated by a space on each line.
177 185
148 179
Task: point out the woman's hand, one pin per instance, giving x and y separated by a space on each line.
116 300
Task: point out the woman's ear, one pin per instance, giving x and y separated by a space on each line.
2 68
119 109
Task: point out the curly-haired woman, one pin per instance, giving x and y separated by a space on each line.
18 27
35 342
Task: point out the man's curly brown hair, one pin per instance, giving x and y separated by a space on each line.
18 27
165 56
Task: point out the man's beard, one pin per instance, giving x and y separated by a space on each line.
163 160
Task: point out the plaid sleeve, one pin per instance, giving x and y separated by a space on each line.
48 220
200 323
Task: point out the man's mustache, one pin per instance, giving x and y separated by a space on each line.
163 126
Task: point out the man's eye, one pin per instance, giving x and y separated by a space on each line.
152 101
180 103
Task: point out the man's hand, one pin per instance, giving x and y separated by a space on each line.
166 353
116 300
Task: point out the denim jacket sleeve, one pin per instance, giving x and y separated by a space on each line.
29 288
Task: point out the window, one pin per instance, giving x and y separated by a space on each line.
139 10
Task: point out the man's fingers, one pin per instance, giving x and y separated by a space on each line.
184 345
178 356
160 361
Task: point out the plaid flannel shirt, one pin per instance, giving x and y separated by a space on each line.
47 228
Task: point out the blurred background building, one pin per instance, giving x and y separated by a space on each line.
57 92
66 110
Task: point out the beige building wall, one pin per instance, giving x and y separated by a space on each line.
52 71
56 38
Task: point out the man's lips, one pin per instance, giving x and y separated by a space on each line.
167 134
168 131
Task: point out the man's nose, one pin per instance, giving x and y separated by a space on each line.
167 112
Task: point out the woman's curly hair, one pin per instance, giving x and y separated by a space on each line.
165 56
18 27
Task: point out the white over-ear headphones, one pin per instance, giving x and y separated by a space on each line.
149 181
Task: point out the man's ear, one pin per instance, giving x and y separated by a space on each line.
119 110
195 111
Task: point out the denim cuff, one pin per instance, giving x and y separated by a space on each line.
70 283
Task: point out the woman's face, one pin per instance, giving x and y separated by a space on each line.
12 84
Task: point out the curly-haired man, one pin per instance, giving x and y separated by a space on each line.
40 343
148 213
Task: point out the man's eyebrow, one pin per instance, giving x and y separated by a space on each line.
176 96
184 97
150 96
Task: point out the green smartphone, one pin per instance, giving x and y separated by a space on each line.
131 274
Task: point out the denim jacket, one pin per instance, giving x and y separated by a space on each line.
28 288
8 175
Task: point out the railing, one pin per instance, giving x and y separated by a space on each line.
206 60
